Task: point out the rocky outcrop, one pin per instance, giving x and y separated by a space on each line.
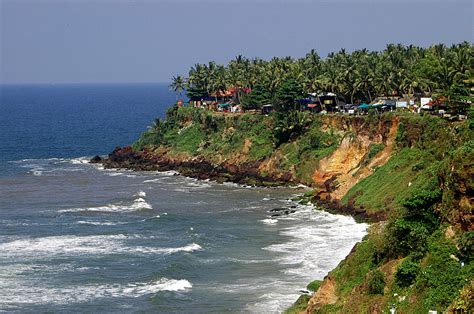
358 212
195 167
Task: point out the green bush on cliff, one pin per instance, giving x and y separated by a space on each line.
407 273
466 246
300 305
189 139
314 285
376 282
405 236
353 271
289 125
409 232
442 275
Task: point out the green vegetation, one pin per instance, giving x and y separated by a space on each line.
298 137
390 183
359 76
374 149
420 258
299 305
376 282
406 273
314 285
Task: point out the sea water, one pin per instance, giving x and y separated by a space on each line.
75 237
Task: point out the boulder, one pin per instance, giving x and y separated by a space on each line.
96 159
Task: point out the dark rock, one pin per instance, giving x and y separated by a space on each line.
96 159
278 209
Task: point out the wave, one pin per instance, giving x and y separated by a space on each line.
18 293
138 204
80 160
141 194
100 223
120 173
152 181
188 248
269 221
317 236
82 245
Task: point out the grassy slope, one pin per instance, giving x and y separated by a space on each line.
431 153
241 138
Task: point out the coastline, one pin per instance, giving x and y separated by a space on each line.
361 167
243 174
202 170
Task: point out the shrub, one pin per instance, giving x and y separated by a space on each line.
300 304
374 149
376 282
442 277
466 246
314 285
406 273
401 137
418 166
405 236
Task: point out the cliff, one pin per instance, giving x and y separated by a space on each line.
409 175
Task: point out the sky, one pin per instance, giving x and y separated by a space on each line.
105 41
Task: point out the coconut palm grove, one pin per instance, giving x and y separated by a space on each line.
444 73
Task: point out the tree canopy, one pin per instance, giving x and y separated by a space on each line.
359 76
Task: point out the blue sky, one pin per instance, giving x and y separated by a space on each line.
75 41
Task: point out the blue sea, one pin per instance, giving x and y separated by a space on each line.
75 237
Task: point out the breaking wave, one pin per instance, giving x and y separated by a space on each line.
60 246
138 204
80 294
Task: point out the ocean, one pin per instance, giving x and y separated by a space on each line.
75 237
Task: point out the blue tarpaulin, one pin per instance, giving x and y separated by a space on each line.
364 106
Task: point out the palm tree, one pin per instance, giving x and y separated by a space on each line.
178 84
358 76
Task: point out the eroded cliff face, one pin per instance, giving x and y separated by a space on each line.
340 171
441 176
332 173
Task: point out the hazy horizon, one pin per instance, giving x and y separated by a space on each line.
104 42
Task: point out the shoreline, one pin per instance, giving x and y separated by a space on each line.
244 174
127 159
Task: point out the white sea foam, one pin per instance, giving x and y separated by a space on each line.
80 160
37 171
28 294
198 185
318 241
168 173
99 223
82 245
152 180
325 236
269 221
138 204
